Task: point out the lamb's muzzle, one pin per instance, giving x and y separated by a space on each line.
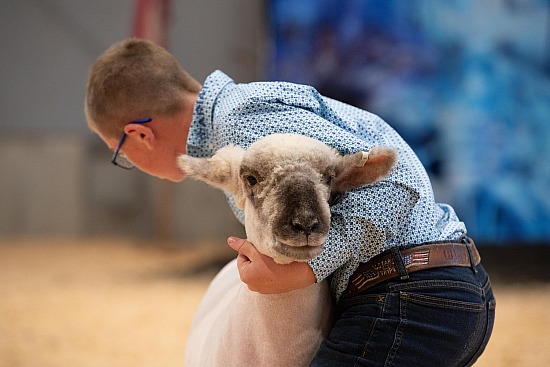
303 219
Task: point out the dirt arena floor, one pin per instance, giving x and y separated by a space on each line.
121 303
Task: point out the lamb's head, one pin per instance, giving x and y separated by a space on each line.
285 183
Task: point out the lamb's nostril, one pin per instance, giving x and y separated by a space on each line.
306 229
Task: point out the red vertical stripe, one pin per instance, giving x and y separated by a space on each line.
151 20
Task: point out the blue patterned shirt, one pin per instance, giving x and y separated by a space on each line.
398 211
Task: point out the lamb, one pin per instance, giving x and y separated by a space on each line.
285 184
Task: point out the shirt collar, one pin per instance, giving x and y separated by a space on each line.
200 139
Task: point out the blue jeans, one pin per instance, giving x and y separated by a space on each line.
437 318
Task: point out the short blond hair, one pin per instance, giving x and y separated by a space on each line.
134 79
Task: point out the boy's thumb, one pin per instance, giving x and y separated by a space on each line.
236 243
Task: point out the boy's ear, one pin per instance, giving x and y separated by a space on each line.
363 168
143 133
220 171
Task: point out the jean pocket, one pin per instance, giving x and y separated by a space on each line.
443 303
453 317
443 294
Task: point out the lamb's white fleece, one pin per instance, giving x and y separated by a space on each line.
286 328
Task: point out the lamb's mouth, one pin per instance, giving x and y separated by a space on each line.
298 253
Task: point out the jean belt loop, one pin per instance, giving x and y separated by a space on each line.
399 263
468 243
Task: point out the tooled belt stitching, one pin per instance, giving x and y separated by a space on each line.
419 258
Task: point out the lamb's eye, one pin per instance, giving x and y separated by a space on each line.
328 179
334 199
251 180
328 175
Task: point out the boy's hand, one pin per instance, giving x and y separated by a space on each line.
263 275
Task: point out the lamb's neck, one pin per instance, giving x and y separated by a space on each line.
259 324
299 299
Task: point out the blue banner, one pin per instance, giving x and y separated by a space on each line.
466 83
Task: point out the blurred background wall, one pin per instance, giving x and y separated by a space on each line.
472 97
55 175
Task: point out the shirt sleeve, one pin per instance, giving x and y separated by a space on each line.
364 223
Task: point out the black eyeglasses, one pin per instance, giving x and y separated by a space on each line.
119 159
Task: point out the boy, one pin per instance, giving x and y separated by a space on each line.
148 110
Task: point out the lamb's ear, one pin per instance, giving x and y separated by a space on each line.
220 171
363 168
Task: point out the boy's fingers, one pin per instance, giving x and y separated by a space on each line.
244 248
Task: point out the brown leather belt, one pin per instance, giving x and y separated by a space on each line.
432 255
